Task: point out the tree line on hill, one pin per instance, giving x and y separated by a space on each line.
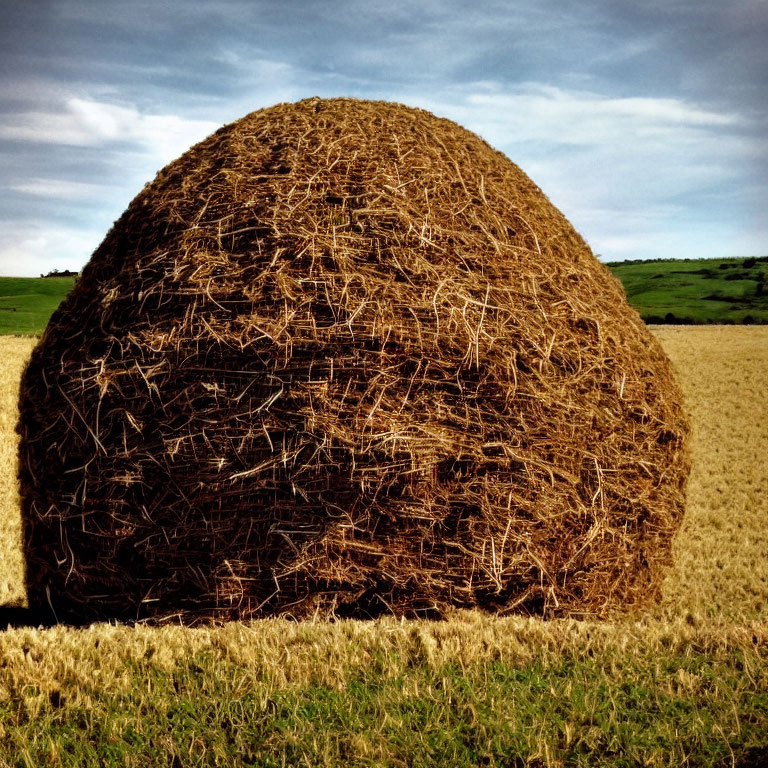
61 273
747 262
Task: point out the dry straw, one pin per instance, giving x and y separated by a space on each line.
343 358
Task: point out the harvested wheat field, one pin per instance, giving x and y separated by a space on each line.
14 354
720 564
721 551
343 358
685 686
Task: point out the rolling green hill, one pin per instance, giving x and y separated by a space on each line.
26 303
697 290
689 291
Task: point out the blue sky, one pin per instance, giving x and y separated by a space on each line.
644 122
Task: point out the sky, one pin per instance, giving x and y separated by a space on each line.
643 121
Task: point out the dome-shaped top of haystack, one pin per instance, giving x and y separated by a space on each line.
340 358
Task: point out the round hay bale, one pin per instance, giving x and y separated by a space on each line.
344 358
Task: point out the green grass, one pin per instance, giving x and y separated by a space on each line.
26 303
697 290
675 705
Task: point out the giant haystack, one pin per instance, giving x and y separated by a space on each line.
343 358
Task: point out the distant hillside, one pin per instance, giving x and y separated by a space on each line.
687 291
26 303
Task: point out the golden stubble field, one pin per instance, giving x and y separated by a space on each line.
685 685
721 551
14 351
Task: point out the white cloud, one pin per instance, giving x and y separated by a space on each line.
61 188
540 112
624 170
85 123
40 247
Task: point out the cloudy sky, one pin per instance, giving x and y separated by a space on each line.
643 121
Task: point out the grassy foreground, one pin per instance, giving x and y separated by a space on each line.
684 686
470 691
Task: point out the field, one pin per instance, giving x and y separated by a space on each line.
693 291
26 303
697 290
686 685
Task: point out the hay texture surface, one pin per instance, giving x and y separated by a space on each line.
343 358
